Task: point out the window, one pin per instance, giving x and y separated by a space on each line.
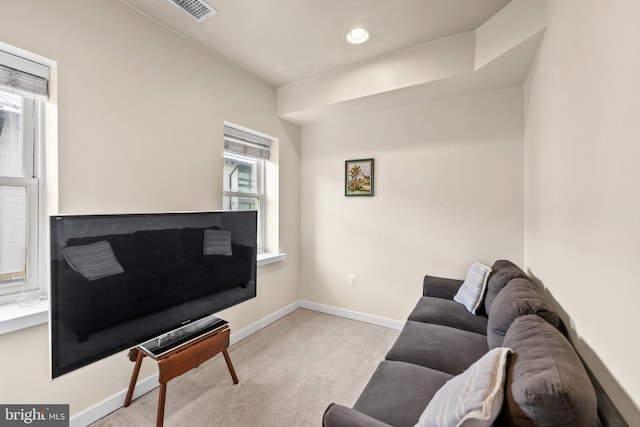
23 88
245 156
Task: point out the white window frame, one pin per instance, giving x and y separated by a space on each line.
32 134
259 195
250 144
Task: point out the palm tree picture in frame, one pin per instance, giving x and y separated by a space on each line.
358 177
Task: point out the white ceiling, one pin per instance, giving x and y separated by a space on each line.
286 41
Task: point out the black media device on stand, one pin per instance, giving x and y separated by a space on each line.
120 280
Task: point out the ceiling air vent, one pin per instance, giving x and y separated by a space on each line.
198 9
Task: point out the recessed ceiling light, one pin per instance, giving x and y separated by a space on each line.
357 36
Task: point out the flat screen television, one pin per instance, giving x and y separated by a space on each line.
119 280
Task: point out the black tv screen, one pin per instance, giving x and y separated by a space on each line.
119 280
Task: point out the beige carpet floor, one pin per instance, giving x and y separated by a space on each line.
289 372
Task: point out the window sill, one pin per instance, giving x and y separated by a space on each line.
270 258
13 317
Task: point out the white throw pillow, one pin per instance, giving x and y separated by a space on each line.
472 290
473 398
217 242
93 261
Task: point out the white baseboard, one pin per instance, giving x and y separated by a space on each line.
115 402
263 323
111 404
353 315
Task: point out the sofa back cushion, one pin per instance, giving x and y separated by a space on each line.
503 272
518 298
546 383
158 248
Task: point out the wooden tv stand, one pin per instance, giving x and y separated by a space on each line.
174 360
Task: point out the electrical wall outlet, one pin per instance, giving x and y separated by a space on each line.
353 280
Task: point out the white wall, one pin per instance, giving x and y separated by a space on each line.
448 192
582 204
140 118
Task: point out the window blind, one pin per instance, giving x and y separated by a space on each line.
246 143
24 76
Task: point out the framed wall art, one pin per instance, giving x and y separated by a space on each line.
358 177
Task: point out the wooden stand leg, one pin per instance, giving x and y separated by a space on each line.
179 361
230 366
161 399
134 376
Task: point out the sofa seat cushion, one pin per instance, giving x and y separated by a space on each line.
225 271
438 347
518 298
503 272
185 280
546 384
341 416
122 296
398 392
448 313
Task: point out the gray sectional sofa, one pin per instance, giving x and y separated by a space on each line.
545 382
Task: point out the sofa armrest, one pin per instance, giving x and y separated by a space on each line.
242 251
440 287
341 416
